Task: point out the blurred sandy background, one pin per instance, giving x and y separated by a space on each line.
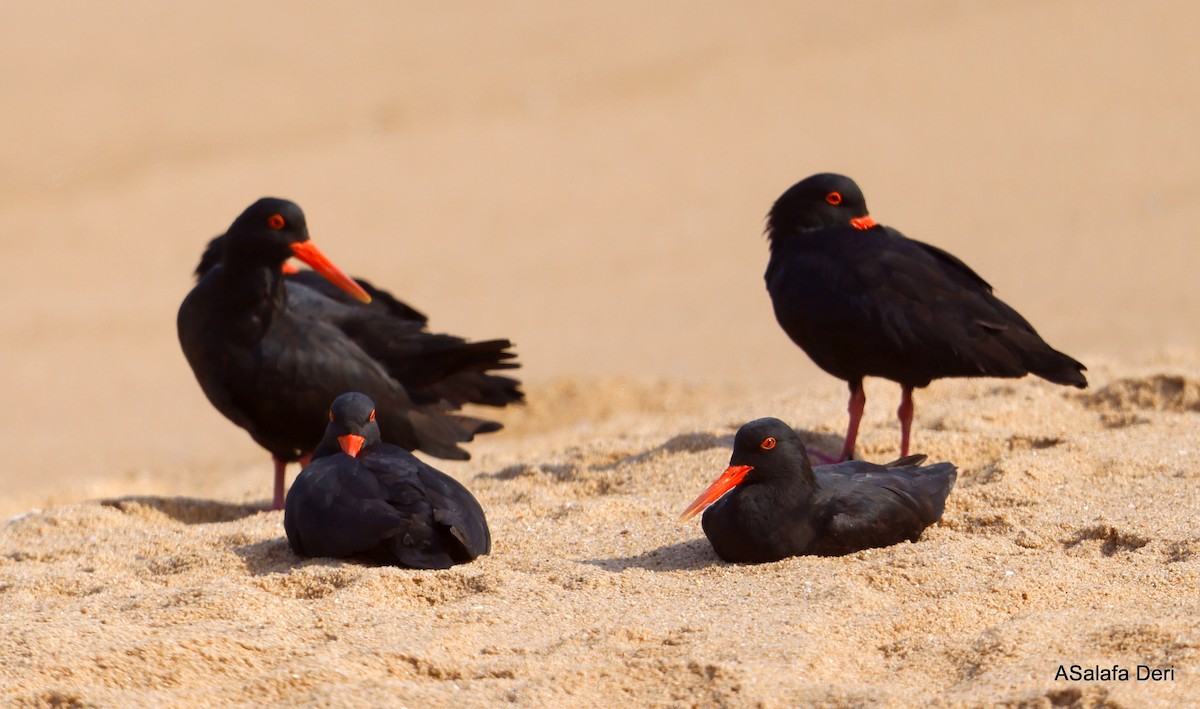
587 180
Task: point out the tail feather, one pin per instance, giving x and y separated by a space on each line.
439 433
478 388
432 365
1015 351
459 372
933 485
1054 366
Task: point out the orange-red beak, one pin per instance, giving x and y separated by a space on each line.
306 252
351 444
728 480
288 269
862 223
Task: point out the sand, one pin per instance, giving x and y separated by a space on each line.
591 182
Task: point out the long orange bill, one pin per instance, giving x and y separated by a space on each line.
728 480
306 252
351 444
288 269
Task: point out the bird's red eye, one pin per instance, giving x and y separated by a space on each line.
372 415
331 416
768 443
276 221
834 198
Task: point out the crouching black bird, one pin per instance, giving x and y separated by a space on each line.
863 300
771 504
360 497
271 350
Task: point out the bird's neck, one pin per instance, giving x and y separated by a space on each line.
801 477
781 239
254 286
798 478
805 480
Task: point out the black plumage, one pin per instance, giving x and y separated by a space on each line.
771 504
380 299
360 497
861 299
271 350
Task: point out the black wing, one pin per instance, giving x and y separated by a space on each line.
446 526
875 303
334 509
863 505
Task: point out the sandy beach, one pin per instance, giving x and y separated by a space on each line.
591 182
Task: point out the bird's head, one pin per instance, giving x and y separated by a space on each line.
818 202
271 231
762 449
352 423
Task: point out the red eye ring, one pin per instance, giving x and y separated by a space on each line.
768 443
276 221
372 415
834 198
331 416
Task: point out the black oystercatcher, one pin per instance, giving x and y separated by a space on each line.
360 497
771 504
861 299
272 350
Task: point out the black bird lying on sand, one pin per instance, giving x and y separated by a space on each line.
771 504
360 497
271 350
861 299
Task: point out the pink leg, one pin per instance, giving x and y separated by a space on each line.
280 466
905 412
816 456
858 402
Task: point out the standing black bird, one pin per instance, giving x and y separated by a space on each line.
360 497
272 350
779 506
861 299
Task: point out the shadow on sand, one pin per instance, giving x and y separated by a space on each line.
188 510
683 556
274 556
683 443
828 444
